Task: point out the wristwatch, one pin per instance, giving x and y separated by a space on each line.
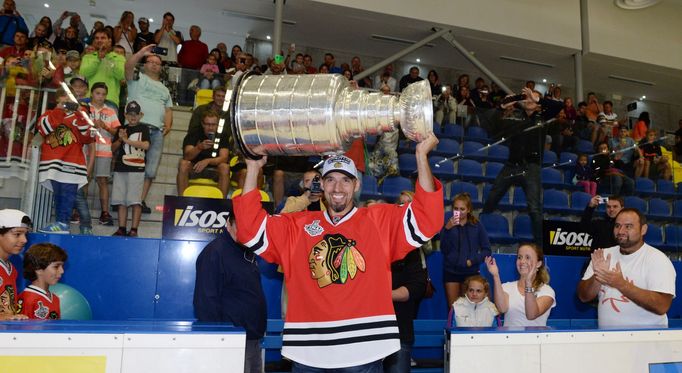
529 289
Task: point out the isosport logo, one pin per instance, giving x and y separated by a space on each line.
189 217
559 237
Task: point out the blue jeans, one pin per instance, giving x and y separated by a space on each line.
153 157
83 209
399 361
64 200
530 182
373 367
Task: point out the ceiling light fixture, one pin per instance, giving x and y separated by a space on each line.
528 62
394 39
544 80
268 37
46 5
419 60
635 4
255 17
631 80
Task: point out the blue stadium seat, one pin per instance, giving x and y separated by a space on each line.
492 169
549 158
522 228
585 146
371 140
566 157
679 189
677 209
659 209
497 228
392 186
407 146
552 178
498 153
555 201
470 170
673 236
444 170
519 199
505 202
457 187
369 189
407 162
579 201
644 186
476 133
453 131
447 148
636 203
436 129
665 188
654 235
472 150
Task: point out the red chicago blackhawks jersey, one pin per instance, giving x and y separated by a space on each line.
36 303
338 273
8 287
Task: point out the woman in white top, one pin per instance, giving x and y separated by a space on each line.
125 32
527 301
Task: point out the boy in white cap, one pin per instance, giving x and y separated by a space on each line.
14 226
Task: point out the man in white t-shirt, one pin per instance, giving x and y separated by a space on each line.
635 282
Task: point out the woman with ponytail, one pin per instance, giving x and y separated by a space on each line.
527 301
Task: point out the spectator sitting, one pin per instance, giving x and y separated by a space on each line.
198 160
411 77
653 156
445 107
610 179
19 46
601 230
624 153
194 52
11 22
14 228
62 167
44 267
569 109
220 60
474 309
583 126
639 277
323 69
484 98
215 105
224 60
130 145
356 68
533 307
125 32
584 175
563 137
210 72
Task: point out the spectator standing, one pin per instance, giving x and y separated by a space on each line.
228 289
356 68
601 230
62 168
464 244
411 77
11 22
144 37
529 300
194 52
69 41
634 282
44 267
311 196
386 77
74 21
475 93
167 37
129 146
39 34
624 153
125 32
107 124
642 125
308 64
155 101
47 22
14 228
434 83
104 66
330 61
198 159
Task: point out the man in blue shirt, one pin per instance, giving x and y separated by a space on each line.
10 22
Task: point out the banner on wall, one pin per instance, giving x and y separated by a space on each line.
565 238
195 218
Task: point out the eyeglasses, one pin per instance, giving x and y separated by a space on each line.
154 63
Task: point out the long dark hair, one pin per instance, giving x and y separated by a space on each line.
644 116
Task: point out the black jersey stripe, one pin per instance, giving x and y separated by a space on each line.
412 228
342 341
341 329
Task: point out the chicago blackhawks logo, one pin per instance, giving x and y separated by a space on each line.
335 259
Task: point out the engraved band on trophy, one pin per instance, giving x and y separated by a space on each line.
320 114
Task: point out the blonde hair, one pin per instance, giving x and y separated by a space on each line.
542 276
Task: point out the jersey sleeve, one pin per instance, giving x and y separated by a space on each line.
662 279
266 235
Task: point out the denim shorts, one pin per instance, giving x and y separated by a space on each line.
153 157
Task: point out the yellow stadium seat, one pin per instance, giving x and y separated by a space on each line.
263 196
203 96
675 166
203 191
203 181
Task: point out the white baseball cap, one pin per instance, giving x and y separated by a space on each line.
340 163
11 218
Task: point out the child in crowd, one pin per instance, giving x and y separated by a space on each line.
209 70
651 152
528 300
474 308
79 86
584 175
14 226
62 167
43 266
106 121
130 145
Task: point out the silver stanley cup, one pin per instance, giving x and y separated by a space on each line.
320 114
